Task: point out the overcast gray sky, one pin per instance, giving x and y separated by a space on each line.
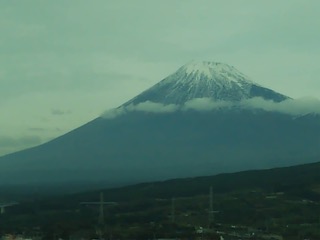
63 63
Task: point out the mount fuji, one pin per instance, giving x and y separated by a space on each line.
217 81
144 143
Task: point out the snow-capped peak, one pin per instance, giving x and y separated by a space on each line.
213 70
200 68
206 68
204 79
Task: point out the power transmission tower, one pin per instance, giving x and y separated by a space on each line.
100 228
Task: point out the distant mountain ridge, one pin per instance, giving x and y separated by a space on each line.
300 180
142 146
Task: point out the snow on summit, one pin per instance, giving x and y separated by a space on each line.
222 74
208 68
204 79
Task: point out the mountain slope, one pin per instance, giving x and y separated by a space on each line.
144 146
141 147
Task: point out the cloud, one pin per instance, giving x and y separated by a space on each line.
59 112
300 106
294 107
148 106
113 113
152 107
205 104
36 129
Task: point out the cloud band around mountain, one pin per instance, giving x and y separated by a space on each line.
294 107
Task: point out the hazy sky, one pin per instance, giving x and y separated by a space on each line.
63 63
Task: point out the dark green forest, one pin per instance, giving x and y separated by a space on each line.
285 201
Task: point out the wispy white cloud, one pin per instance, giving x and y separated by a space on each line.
300 106
57 111
148 106
293 107
152 107
205 104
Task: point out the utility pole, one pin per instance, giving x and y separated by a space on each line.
101 217
173 210
211 216
101 213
